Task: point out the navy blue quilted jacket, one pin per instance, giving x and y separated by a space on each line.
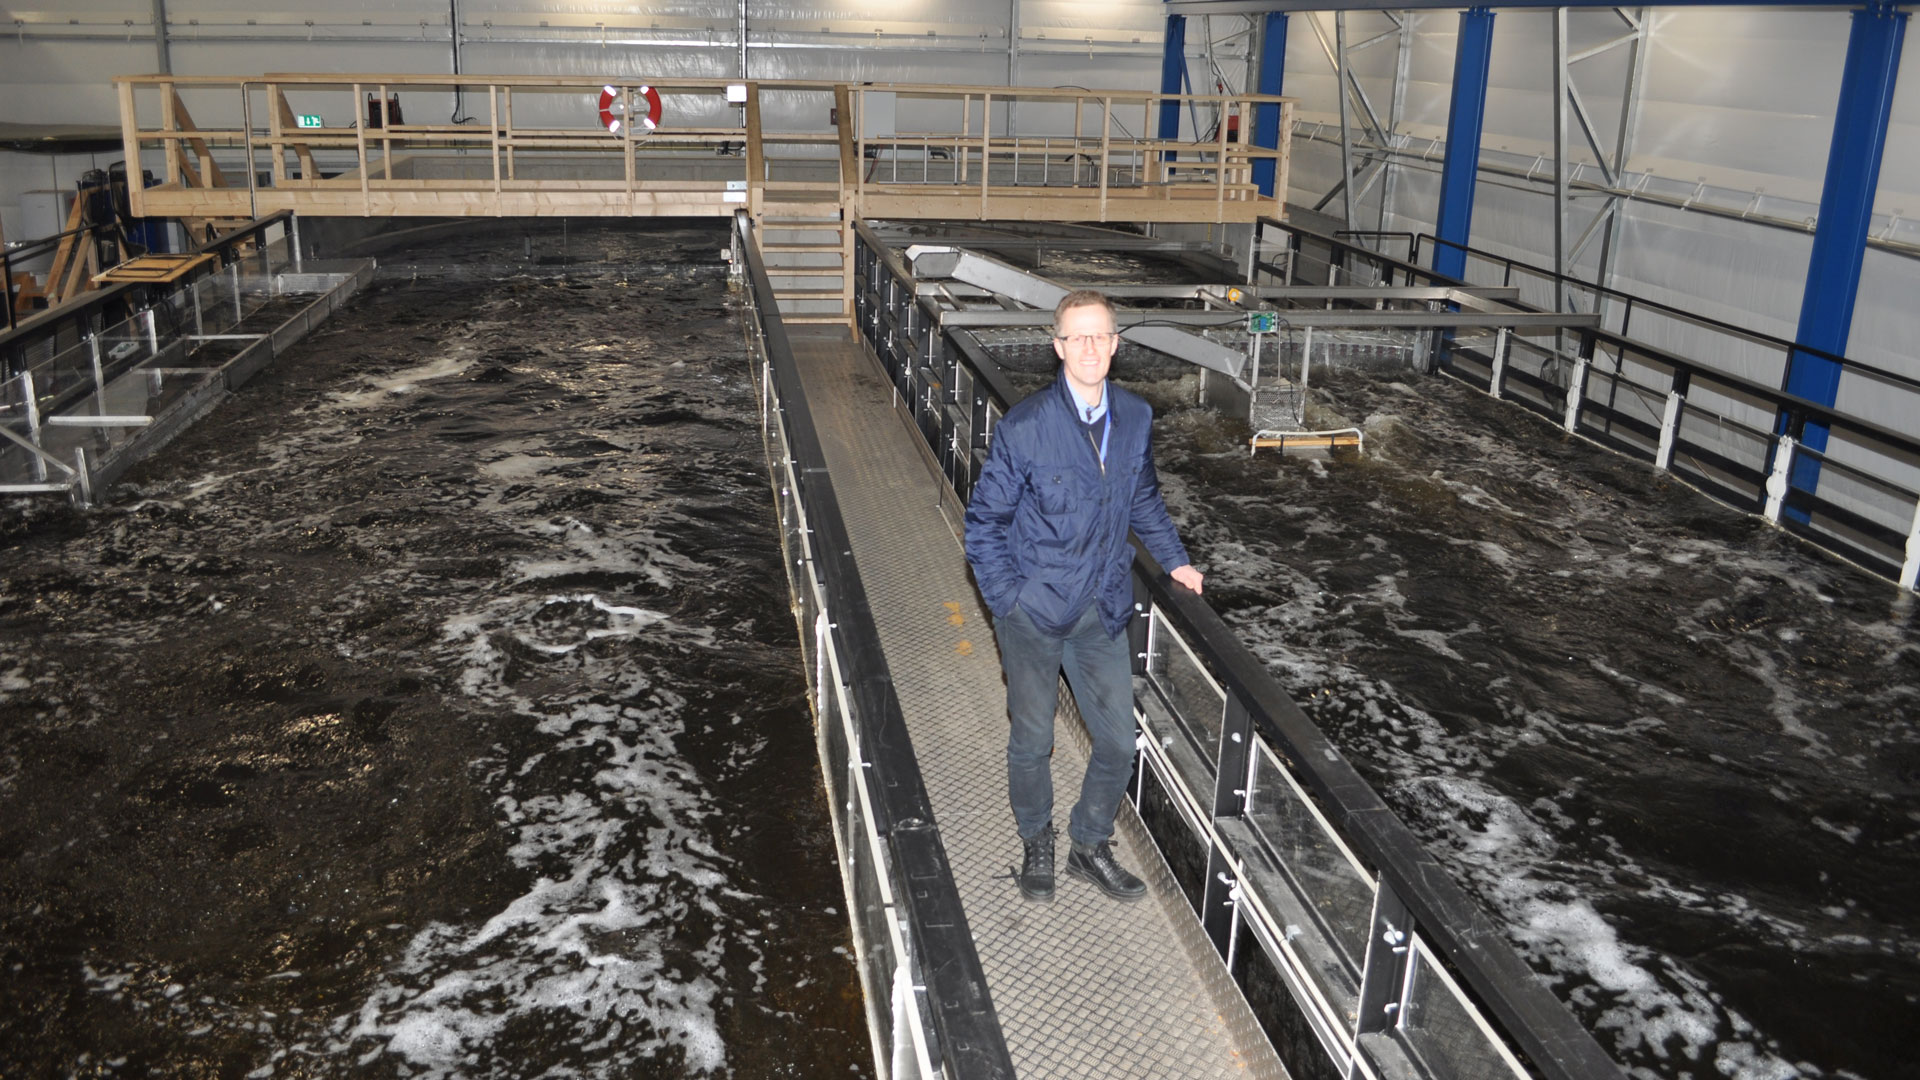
1047 527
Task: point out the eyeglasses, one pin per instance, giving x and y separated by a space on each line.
1081 341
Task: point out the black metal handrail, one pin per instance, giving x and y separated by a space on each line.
1630 302
1792 413
969 1034
1538 1024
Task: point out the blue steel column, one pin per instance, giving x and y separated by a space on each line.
1273 75
1846 211
1472 60
1173 65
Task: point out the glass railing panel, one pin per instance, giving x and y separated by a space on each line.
1328 877
1197 700
1444 1030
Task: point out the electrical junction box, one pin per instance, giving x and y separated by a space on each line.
1260 322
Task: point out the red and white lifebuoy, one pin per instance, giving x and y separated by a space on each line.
611 107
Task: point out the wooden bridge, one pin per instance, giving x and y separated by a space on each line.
804 158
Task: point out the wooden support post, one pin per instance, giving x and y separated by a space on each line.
508 96
64 255
386 127
360 146
279 118
301 150
1106 149
130 153
850 179
209 170
1220 160
986 147
493 142
169 146
966 128
756 156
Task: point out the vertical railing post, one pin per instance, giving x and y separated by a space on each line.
28 395
99 376
1910 570
1306 358
1670 422
82 490
1577 385
1777 479
1221 896
1384 970
1497 378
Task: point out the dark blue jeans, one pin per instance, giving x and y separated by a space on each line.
1098 670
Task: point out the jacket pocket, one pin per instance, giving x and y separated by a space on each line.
1056 493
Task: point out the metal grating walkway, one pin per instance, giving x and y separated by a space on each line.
1084 986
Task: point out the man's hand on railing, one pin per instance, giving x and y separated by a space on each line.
1188 576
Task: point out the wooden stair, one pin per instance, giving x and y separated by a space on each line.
807 244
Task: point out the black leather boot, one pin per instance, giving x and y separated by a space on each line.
1036 866
1096 864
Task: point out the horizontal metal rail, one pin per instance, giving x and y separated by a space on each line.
1299 317
1579 385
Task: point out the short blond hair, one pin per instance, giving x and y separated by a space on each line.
1084 298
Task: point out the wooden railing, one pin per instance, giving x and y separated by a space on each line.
540 145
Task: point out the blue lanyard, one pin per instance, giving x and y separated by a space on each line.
1106 429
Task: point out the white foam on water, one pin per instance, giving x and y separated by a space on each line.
1648 1001
601 945
378 389
636 551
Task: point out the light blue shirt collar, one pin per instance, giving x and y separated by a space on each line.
1090 414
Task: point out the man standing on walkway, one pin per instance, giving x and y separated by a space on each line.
1070 472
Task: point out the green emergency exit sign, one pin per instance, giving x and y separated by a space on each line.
310 122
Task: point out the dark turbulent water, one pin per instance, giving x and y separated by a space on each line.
433 709
1672 748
